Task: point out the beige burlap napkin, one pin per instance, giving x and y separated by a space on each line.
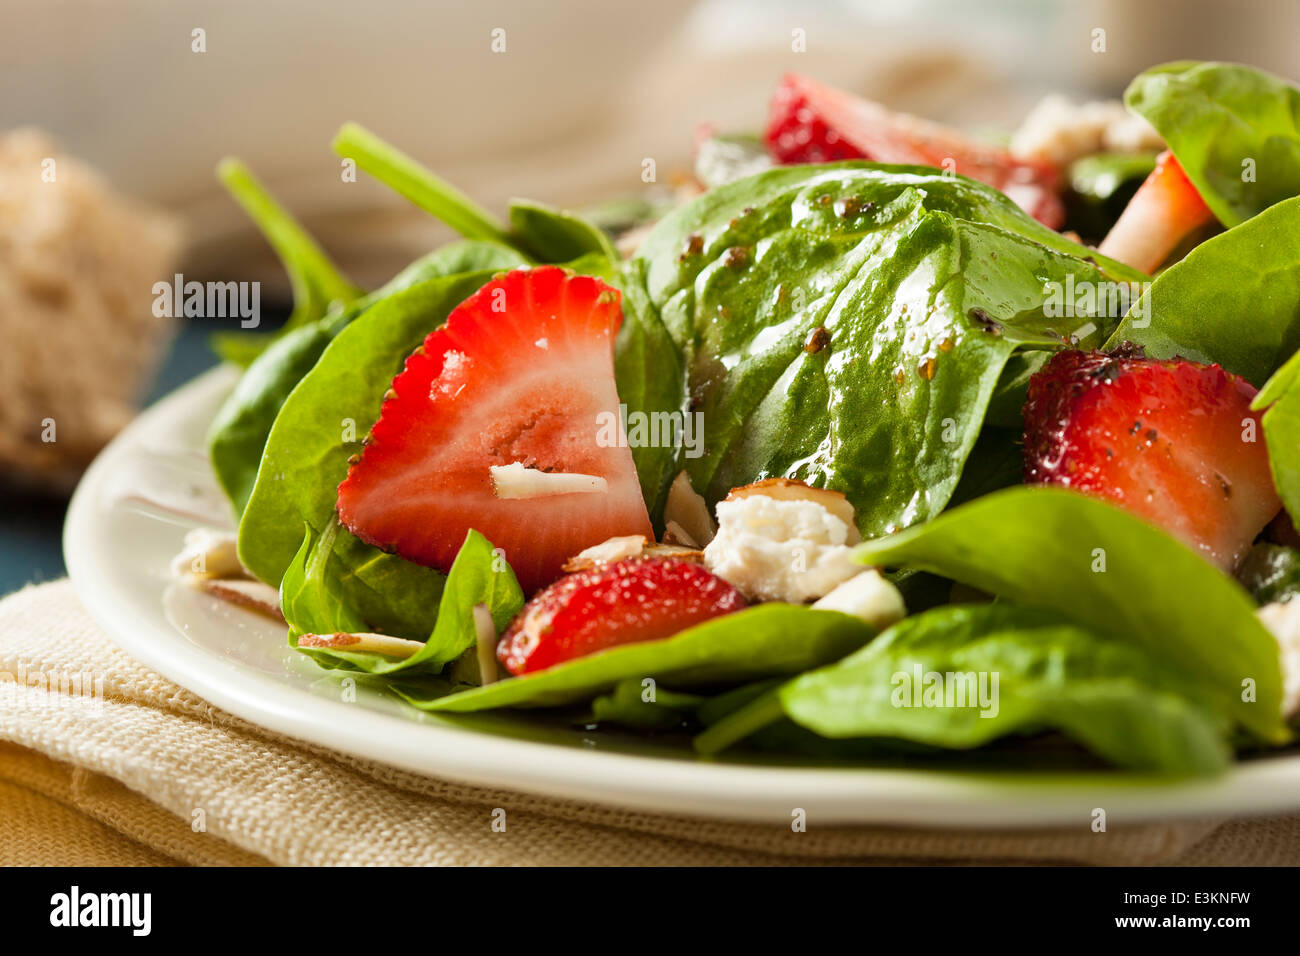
151 774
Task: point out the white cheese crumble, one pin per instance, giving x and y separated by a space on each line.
780 549
868 596
516 480
1058 131
1283 622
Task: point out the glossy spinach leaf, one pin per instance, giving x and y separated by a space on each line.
1270 572
316 282
1115 574
554 235
328 414
239 431
1281 421
758 642
1234 300
1234 129
642 705
324 592
961 676
924 284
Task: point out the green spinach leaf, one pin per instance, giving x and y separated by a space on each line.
1281 397
641 705
923 286
1234 129
762 641
1111 572
554 235
323 592
1235 299
1270 572
962 676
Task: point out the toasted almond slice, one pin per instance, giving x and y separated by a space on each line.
686 508
679 552
385 644
209 553
675 534
245 593
515 480
485 633
607 552
787 489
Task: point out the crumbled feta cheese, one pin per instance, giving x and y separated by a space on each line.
868 596
1058 131
780 549
687 509
1283 621
210 554
515 480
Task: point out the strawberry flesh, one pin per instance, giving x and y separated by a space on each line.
637 599
1165 209
1174 442
812 123
522 371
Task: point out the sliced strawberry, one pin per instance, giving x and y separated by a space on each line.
522 372
1164 210
1173 441
812 123
638 599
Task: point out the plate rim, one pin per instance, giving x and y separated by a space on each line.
689 787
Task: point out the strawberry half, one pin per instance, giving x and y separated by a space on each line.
1172 441
519 376
812 123
638 599
1164 210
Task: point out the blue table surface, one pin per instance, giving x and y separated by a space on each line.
31 531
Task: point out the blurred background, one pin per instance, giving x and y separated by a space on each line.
152 93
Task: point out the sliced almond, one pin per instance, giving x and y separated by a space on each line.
485 634
519 481
607 552
688 510
680 553
675 534
398 647
787 489
209 553
245 593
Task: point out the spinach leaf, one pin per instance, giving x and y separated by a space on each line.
417 183
1235 299
758 642
239 431
1100 187
1270 572
316 282
962 676
924 286
632 703
553 235
1114 573
326 416
651 382
338 583
1235 130
318 591
1281 397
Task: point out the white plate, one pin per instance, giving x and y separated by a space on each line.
118 546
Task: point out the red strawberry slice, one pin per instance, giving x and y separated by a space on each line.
521 373
1172 441
1164 210
638 599
812 123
